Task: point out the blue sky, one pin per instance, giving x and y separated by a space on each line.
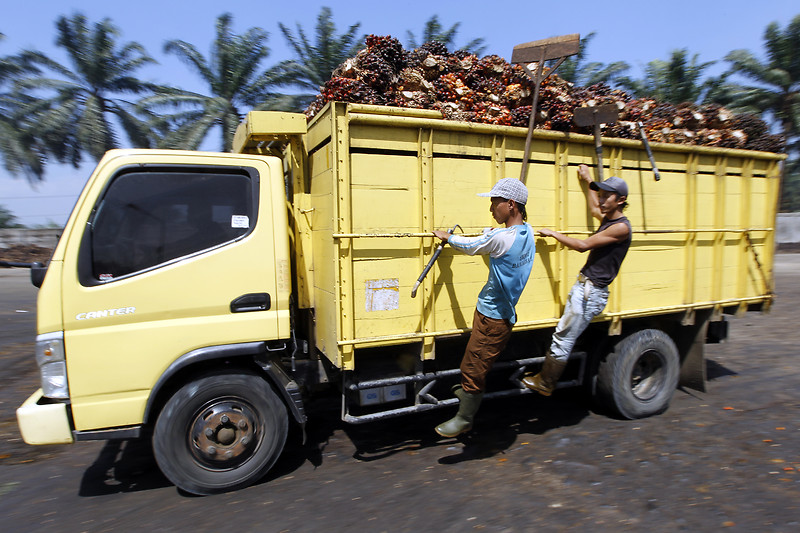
631 31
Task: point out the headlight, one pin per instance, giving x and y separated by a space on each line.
52 365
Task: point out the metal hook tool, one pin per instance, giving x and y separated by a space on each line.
433 259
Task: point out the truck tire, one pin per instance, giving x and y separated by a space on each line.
640 376
220 432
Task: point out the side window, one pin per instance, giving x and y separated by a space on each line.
145 219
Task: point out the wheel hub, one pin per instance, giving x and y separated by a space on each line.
647 375
222 434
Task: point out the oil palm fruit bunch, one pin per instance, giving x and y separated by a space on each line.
464 87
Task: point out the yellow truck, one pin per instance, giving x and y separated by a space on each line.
202 297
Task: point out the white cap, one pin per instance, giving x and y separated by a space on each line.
510 189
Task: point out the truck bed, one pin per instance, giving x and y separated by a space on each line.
369 183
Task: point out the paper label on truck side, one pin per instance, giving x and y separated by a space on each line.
383 294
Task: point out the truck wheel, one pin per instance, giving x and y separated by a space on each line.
221 432
640 376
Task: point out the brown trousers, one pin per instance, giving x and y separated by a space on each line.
488 338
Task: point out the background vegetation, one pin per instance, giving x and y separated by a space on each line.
67 113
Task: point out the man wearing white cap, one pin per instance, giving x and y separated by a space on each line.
511 250
607 248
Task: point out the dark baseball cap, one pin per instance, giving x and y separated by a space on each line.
612 184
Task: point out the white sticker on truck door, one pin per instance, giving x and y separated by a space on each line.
383 294
240 221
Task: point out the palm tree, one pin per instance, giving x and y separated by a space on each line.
434 31
777 81
9 66
775 94
580 73
20 153
80 107
675 81
7 218
235 86
316 61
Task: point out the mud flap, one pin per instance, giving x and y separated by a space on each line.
691 344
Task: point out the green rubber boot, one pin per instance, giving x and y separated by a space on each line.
467 407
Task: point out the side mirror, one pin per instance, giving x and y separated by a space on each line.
38 271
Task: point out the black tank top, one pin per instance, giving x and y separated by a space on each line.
603 263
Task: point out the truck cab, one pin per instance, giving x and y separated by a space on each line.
169 260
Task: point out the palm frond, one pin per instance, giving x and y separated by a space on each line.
433 30
189 55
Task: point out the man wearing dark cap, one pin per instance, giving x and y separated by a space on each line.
511 250
607 248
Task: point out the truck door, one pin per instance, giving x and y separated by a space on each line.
167 259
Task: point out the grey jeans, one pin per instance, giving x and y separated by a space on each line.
585 301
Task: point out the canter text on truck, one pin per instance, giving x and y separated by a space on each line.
105 313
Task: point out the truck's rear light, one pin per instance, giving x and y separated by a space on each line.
52 365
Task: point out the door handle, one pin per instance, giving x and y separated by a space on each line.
255 301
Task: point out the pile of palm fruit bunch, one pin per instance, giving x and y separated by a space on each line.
489 90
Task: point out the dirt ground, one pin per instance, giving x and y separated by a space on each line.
25 253
726 459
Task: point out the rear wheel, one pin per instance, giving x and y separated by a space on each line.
220 432
640 376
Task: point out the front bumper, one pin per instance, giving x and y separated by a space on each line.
41 422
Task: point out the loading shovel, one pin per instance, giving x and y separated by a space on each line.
538 52
595 116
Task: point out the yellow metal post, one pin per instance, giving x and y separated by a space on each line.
690 271
615 297
745 206
615 161
426 302
498 157
720 198
773 175
344 223
562 218
302 215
